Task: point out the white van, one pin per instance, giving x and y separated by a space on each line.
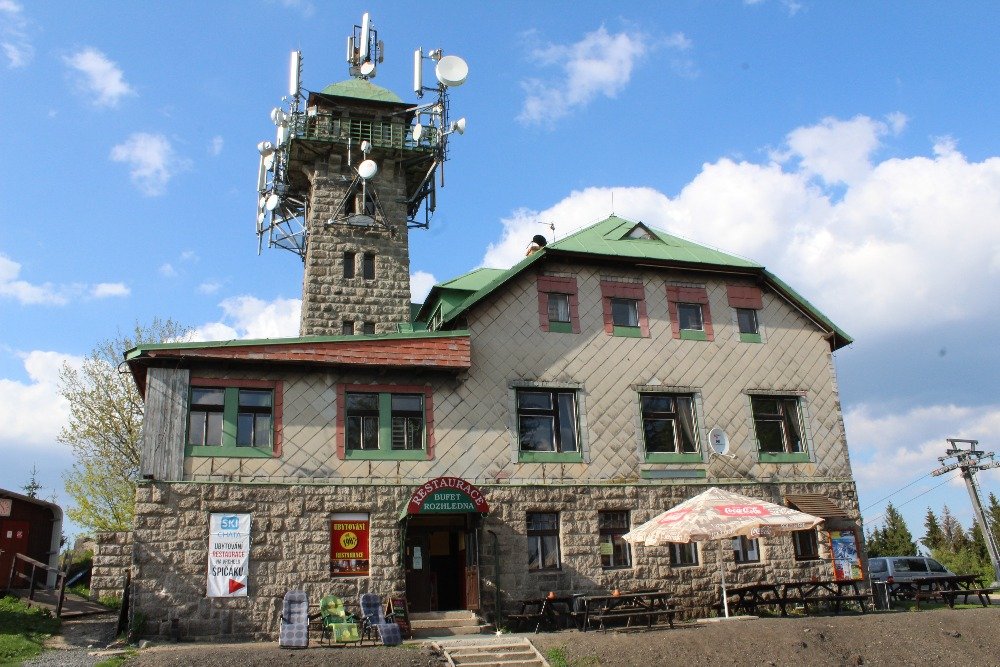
897 569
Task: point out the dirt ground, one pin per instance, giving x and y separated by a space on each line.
943 636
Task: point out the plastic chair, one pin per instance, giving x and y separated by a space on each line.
373 618
338 626
294 630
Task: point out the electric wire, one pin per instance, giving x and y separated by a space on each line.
902 488
907 502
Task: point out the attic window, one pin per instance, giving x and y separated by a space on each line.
640 232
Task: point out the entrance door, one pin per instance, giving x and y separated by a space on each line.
13 540
440 554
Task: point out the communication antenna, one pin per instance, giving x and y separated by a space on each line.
550 225
364 50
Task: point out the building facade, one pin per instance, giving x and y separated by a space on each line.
499 444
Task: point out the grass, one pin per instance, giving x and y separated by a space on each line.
79 589
23 629
116 660
556 657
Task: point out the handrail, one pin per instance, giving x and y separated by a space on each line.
31 578
339 129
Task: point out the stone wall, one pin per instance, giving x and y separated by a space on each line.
290 547
112 559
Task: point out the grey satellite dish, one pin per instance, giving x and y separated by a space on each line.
272 202
367 169
361 220
451 71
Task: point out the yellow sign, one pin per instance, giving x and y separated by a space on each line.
348 541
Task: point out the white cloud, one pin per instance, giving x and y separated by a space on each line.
600 63
101 77
421 283
215 146
14 40
167 270
250 317
32 413
104 290
876 255
25 292
209 287
152 161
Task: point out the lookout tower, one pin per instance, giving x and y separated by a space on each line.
352 170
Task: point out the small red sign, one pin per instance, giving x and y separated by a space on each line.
742 510
349 549
235 585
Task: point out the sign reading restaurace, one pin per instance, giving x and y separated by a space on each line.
228 555
447 495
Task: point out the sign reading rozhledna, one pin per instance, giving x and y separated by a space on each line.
445 495
228 555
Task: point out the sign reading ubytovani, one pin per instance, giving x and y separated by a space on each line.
349 550
228 555
447 494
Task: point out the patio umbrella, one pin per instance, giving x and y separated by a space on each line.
715 514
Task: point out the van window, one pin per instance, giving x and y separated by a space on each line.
877 565
909 564
935 566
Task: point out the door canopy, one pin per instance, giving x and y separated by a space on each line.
447 495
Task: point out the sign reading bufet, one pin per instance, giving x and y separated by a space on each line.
228 555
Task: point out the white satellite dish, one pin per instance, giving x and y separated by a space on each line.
361 220
269 162
367 67
451 71
459 126
277 116
366 146
418 131
260 218
272 202
265 148
262 202
719 441
367 169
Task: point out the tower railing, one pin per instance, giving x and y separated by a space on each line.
340 130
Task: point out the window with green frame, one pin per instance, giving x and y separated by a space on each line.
777 422
237 421
547 426
669 428
385 423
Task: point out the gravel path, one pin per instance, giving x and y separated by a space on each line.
79 637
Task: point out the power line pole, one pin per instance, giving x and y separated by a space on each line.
971 461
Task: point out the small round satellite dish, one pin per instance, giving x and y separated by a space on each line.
459 126
451 71
367 169
260 218
265 148
277 116
272 202
361 220
719 440
262 202
269 162
366 146
367 67
418 131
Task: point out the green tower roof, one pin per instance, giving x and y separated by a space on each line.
361 89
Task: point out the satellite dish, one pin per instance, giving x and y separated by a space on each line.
367 169
367 67
418 131
277 116
459 126
366 146
260 218
451 71
265 148
262 202
269 162
719 441
361 220
272 202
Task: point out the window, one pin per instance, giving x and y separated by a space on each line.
349 263
669 430
614 550
368 266
746 550
746 321
690 316
239 418
384 422
806 545
778 425
546 420
624 309
543 541
558 310
683 555
368 328
347 328
746 300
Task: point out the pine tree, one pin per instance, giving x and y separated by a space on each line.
933 537
993 517
32 488
894 539
954 537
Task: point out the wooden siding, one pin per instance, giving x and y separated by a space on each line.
165 424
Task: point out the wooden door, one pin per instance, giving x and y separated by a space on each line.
13 540
471 571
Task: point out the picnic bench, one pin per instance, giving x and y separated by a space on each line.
550 613
946 588
750 597
591 610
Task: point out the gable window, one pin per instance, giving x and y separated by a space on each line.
349 264
239 418
747 301
614 550
683 555
368 266
624 309
806 544
777 422
558 309
543 540
669 429
546 420
384 422
347 328
690 316
746 550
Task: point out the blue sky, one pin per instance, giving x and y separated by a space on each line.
852 148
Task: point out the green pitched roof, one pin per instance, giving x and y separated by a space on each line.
618 238
361 89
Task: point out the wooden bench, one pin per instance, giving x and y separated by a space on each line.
982 593
651 615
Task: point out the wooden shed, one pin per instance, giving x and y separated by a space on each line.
28 526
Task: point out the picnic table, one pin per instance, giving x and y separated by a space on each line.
550 613
946 588
748 598
596 609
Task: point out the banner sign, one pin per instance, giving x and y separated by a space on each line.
228 555
447 495
846 562
349 548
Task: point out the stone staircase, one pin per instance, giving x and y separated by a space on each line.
446 624
499 651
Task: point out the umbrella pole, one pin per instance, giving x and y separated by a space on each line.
722 570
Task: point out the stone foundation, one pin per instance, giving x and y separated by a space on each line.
290 547
112 559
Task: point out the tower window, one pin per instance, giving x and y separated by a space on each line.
368 266
368 328
349 262
347 328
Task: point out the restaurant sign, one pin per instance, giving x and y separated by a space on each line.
349 545
447 495
228 555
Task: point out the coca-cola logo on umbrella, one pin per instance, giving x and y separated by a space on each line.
742 510
674 517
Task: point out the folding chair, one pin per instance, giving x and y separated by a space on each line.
294 631
373 618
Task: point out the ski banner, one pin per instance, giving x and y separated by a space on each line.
228 555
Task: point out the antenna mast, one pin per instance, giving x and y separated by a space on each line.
971 461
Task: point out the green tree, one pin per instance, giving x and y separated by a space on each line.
993 517
32 488
893 539
104 429
933 537
954 537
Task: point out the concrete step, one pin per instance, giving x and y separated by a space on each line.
436 615
487 651
449 631
444 622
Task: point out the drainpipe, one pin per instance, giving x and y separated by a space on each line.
496 580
